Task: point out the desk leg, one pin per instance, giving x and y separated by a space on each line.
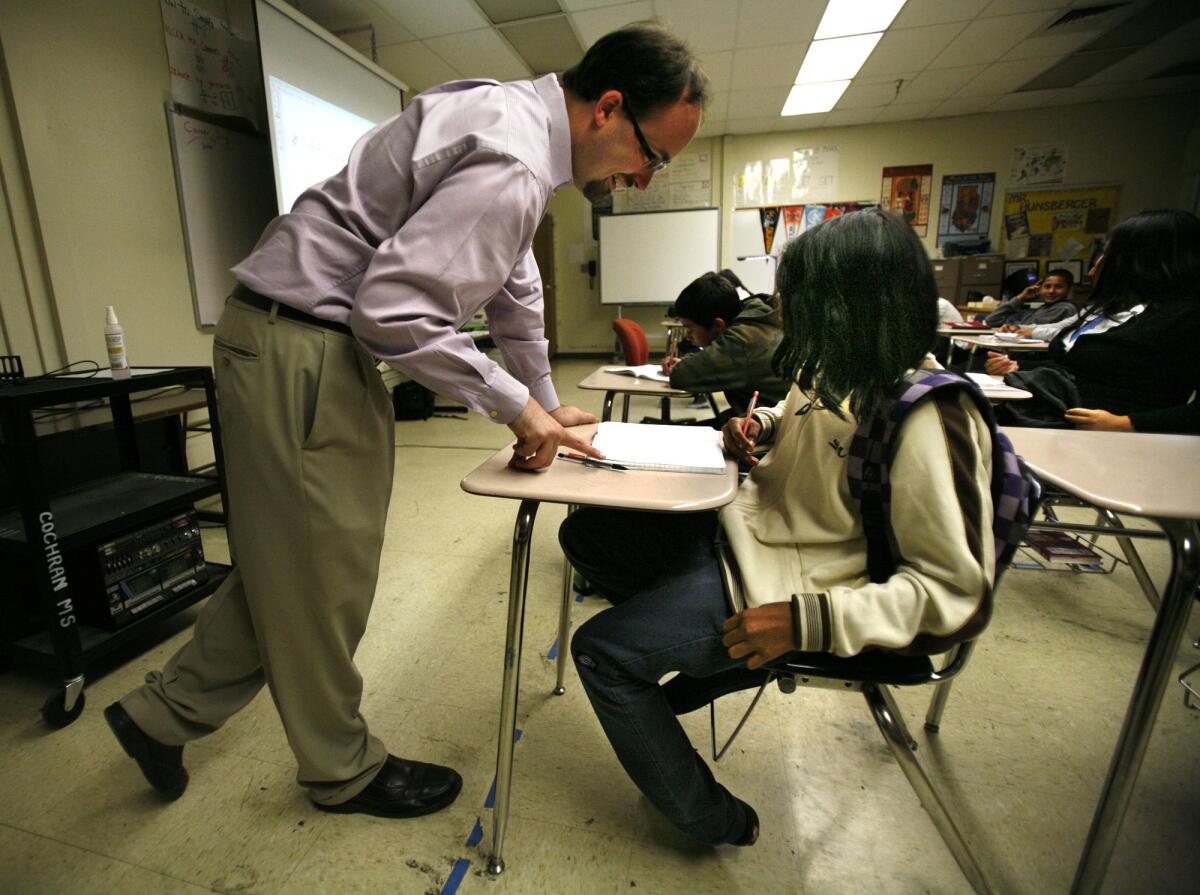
517 584
625 408
606 414
1143 707
1134 560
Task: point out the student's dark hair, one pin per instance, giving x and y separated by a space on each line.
859 309
1154 256
1064 273
649 65
1016 282
706 298
733 278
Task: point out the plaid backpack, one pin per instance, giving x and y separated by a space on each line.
870 487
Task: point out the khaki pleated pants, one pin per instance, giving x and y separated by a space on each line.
308 438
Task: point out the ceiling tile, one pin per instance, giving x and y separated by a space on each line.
906 111
751 125
426 19
480 54
801 122
340 15
867 96
918 13
578 5
417 65
762 23
593 24
767 66
912 48
986 40
757 103
1005 77
718 67
970 105
888 79
546 44
1029 99
1156 87
848 117
1149 61
1050 45
499 11
706 25
939 84
718 106
1011 7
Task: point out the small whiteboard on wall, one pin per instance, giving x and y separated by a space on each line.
226 197
759 274
647 259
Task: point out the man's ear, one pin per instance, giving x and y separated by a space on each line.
606 106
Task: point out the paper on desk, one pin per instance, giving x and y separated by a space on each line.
644 371
989 383
667 448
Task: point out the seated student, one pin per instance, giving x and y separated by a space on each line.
859 313
737 340
1129 363
742 291
1054 291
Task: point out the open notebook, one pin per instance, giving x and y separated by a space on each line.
644 371
668 448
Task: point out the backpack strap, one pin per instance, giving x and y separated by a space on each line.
870 458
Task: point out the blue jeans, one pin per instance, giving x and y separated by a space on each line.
661 574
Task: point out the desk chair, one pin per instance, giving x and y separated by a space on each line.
636 349
872 673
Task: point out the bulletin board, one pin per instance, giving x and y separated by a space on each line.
226 197
1058 223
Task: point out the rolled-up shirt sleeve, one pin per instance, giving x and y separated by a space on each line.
516 323
452 256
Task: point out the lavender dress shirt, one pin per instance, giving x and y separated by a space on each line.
432 219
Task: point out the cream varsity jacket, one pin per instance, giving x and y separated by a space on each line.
794 530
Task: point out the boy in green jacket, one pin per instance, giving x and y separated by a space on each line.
738 339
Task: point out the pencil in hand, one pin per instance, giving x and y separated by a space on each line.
750 411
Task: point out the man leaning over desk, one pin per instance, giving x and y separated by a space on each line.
431 219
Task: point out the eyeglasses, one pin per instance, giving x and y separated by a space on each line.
654 162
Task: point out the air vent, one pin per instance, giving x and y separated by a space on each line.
1084 12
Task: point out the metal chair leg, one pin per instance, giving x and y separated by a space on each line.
937 705
891 725
712 720
625 409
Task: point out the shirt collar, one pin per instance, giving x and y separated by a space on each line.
551 93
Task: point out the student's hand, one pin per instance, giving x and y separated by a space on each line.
760 634
669 363
740 435
1030 292
538 436
1098 420
1000 364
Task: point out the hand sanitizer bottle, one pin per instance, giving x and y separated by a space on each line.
114 338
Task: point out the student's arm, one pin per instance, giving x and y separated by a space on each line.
1004 312
720 366
1183 419
941 518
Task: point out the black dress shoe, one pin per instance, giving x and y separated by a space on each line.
404 788
161 765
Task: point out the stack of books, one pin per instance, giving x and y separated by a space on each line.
1058 547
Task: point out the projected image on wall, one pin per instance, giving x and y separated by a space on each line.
313 138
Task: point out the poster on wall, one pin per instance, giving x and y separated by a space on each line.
687 183
814 173
1038 163
966 208
810 175
770 221
1058 224
907 190
213 69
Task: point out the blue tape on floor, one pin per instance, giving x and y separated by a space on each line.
456 876
490 801
553 654
579 598
476 834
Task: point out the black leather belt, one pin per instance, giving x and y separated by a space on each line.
252 298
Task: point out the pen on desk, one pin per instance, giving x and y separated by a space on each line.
750 411
592 461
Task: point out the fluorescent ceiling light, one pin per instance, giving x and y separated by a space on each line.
835 60
844 17
805 99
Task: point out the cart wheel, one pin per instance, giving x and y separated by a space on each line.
55 715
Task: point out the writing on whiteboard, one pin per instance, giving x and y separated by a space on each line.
212 67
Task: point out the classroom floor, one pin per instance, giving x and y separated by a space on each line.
1023 751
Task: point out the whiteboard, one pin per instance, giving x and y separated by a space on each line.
226 197
647 259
